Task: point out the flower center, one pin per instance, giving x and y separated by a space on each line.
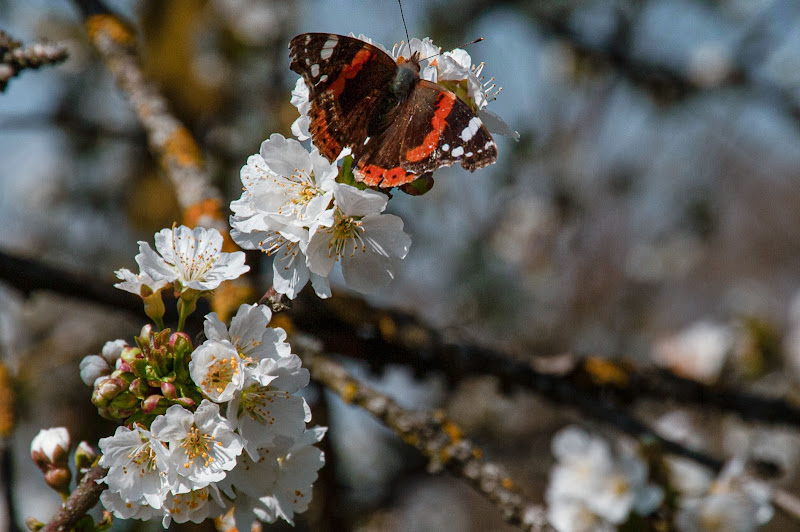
346 232
257 402
144 457
197 445
221 373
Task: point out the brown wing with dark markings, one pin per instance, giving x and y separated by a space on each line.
347 78
442 131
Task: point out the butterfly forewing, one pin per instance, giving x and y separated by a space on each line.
346 78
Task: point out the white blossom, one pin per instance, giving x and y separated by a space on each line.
193 257
731 503
574 515
286 191
217 369
139 469
249 333
93 367
202 444
278 484
195 506
114 503
368 244
608 485
266 408
697 352
134 283
301 101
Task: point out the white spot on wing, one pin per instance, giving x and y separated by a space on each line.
327 48
315 70
458 151
472 128
445 147
488 144
308 39
323 78
469 154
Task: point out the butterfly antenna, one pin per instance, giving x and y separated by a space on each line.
404 20
479 39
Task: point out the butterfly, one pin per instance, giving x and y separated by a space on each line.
398 126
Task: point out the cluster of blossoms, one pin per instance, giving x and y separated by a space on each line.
207 428
594 490
729 502
293 208
309 214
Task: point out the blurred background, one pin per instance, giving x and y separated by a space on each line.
650 211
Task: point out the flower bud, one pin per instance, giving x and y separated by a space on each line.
113 350
107 389
152 402
50 453
92 368
186 402
85 456
125 400
180 341
33 524
50 447
168 390
139 388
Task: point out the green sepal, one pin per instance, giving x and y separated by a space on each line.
460 89
346 176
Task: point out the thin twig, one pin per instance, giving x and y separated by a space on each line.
82 499
14 57
439 440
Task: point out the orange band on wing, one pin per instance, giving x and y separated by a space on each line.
350 71
444 104
373 175
323 140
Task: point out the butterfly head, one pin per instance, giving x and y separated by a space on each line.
412 63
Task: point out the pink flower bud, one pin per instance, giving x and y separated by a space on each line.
150 404
180 340
169 390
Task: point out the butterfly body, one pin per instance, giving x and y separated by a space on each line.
397 125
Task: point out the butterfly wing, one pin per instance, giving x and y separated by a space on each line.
442 131
347 78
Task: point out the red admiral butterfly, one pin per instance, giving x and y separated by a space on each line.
397 125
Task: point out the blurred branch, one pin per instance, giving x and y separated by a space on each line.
437 438
83 498
349 325
665 84
14 57
169 140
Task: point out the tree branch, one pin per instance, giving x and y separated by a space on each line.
169 140
437 438
82 499
14 58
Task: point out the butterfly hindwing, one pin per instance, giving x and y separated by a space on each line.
347 78
442 131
